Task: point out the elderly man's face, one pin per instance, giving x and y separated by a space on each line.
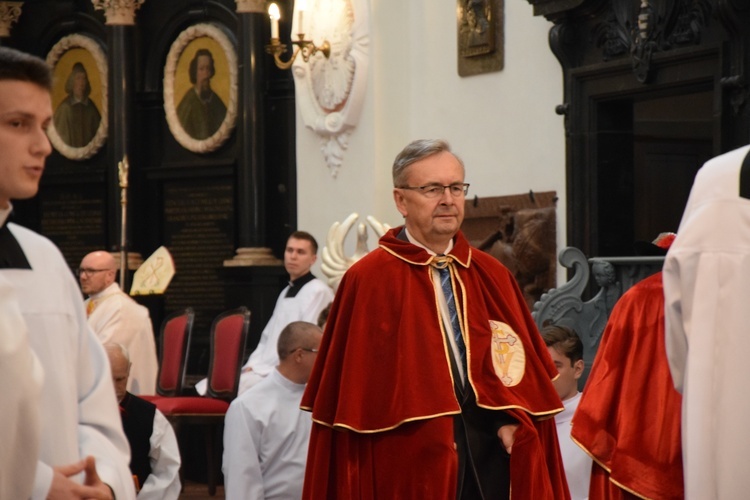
432 220
120 372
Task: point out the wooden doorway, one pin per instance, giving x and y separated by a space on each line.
649 148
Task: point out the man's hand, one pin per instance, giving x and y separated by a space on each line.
507 435
63 487
93 480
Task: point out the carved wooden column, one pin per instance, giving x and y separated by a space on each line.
120 21
9 14
250 128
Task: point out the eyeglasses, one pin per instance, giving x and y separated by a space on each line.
88 271
437 190
315 351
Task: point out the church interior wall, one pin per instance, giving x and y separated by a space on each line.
502 124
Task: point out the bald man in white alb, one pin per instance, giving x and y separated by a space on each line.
115 317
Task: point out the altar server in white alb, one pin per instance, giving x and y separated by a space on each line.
302 300
83 451
154 453
566 350
707 293
21 378
115 317
265 432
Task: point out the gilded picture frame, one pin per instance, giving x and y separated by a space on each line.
200 88
480 36
79 97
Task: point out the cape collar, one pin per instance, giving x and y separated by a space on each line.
393 244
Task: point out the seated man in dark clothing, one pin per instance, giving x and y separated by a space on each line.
154 454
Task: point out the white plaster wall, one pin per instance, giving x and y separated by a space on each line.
502 124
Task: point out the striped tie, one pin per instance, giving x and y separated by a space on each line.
445 284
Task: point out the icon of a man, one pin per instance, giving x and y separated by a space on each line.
201 111
76 118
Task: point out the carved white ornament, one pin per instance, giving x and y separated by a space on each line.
9 14
330 92
334 262
178 46
118 12
66 43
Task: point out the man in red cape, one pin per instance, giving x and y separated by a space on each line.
403 408
628 419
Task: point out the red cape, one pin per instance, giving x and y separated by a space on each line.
385 312
628 419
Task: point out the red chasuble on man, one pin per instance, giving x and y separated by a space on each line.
382 391
628 419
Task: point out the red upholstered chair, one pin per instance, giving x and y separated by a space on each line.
176 330
175 340
228 338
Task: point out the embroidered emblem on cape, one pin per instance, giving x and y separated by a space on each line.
508 355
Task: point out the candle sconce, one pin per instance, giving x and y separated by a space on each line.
306 47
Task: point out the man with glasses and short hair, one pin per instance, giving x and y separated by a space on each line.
431 371
265 432
115 317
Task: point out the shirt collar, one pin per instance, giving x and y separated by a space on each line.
5 213
413 241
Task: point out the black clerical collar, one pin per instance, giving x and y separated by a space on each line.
11 254
745 177
296 285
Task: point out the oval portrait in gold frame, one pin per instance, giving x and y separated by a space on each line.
200 88
79 97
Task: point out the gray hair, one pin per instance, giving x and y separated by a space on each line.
115 347
415 151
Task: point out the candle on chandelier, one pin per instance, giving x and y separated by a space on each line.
301 8
274 14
